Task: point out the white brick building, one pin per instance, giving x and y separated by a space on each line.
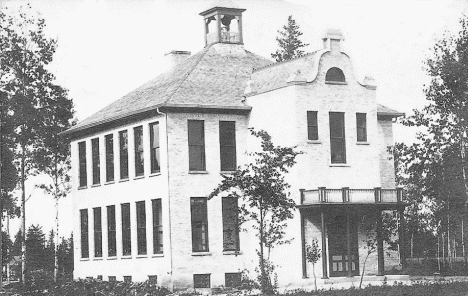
144 165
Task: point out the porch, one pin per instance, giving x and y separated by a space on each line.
334 215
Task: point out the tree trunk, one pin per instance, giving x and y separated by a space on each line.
56 223
1 195
8 250
443 249
315 278
411 247
363 269
438 251
463 238
262 263
463 156
23 215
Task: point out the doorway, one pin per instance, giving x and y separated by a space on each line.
338 246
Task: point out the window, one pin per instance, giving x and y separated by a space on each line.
109 157
199 224
361 127
127 278
97 232
227 143
126 230
112 278
96 162
230 227
335 75
141 227
201 281
232 280
153 279
111 232
139 159
157 226
84 234
82 160
312 126
196 141
155 156
123 144
337 137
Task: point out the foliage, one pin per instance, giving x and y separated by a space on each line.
313 254
262 188
98 287
289 43
36 255
434 169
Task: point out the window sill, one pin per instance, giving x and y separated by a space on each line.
142 256
155 174
82 187
139 177
198 172
314 142
232 253
123 180
362 143
84 259
95 185
201 253
109 182
158 255
97 259
227 172
126 257
336 82
112 258
339 165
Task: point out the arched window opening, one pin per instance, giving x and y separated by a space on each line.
335 75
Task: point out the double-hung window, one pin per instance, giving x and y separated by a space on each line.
361 127
157 226
82 164
227 143
139 159
123 148
84 233
196 142
155 154
337 137
111 232
96 161
312 126
126 230
141 227
199 224
230 224
109 139
97 232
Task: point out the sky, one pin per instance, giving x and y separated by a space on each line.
106 48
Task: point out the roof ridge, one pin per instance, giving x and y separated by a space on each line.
282 62
188 74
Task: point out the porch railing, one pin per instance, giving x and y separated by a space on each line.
347 195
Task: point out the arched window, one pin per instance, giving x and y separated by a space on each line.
335 75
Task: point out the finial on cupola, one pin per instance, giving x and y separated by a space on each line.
223 23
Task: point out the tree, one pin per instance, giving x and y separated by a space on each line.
313 254
262 188
36 256
53 155
30 88
289 43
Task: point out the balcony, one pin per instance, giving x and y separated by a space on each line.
345 195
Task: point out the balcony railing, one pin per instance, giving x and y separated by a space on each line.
346 195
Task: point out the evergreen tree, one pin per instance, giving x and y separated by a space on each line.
36 254
289 43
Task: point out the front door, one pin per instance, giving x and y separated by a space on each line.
338 247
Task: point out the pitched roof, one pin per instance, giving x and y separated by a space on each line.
216 76
385 111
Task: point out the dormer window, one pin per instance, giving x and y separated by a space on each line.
335 76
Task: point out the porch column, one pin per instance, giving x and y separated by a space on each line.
401 236
380 251
304 266
348 241
324 247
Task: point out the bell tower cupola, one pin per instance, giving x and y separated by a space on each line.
223 23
